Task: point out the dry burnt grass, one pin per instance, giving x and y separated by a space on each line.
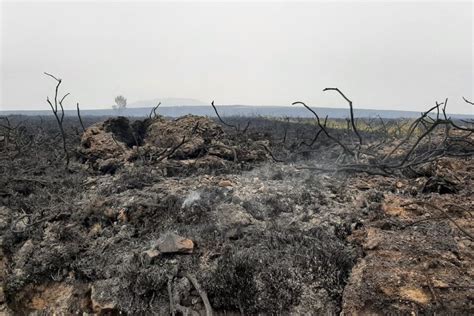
273 232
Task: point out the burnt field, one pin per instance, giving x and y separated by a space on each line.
201 216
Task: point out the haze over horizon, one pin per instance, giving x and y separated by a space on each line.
382 55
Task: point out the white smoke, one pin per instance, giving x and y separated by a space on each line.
192 197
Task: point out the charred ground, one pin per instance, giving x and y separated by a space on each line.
279 216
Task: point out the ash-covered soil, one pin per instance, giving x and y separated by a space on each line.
188 217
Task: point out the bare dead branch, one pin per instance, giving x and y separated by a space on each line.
153 111
467 101
220 118
271 153
351 112
59 117
323 128
423 203
79 116
237 128
170 151
202 293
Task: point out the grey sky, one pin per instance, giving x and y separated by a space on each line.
387 55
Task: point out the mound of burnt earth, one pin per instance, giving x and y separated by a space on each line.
189 141
419 247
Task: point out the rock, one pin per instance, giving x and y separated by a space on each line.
95 230
373 240
51 298
232 215
225 183
104 294
173 243
122 216
414 294
151 254
110 213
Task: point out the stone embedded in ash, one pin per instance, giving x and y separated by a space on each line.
150 255
104 294
173 243
225 183
122 216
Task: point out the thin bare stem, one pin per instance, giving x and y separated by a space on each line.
351 111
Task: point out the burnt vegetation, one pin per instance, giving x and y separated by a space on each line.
277 210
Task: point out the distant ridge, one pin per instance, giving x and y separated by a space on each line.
240 110
165 102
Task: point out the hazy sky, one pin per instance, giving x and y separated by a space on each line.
387 55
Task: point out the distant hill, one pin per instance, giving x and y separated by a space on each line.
240 110
164 102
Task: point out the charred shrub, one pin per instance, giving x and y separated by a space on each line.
256 209
139 285
139 130
136 178
375 196
149 217
440 185
268 277
278 205
121 129
321 257
252 283
232 285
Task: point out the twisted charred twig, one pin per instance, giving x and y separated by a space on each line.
27 226
351 112
201 292
411 130
369 169
237 128
170 295
323 128
423 203
15 134
8 130
246 127
285 130
220 118
117 143
317 134
168 152
80 118
234 153
153 111
59 116
467 101
413 155
271 153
